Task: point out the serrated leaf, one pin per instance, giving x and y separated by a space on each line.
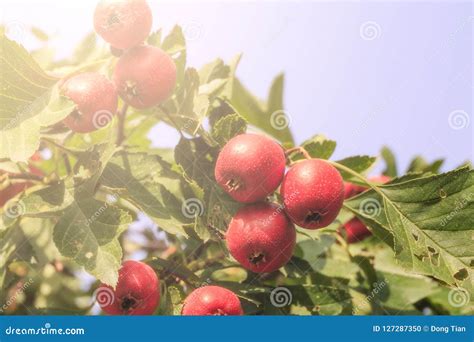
88 233
149 183
28 101
42 202
25 87
228 127
358 164
420 165
257 113
197 160
317 147
431 220
167 268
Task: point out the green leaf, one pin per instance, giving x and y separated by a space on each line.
167 268
197 160
358 164
318 147
390 162
420 165
28 101
228 127
43 202
326 296
431 220
262 115
148 182
39 233
88 233
24 86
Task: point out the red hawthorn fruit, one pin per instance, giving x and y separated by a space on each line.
355 230
212 300
137 291
11 191
250 167
351 190
261 237
95 98
313 193
123 23
145 76
14 189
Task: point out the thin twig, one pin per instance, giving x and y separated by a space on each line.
298 149
121 124
61 147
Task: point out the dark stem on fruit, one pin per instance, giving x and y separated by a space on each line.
128 303
257 258
112 20
233 184
298 149
220 312
121 124
313 217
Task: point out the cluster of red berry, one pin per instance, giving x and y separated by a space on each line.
261 236
144 75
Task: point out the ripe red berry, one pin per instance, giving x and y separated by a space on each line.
123 23
11 191
261 237
145 76
212 300
137 291
250 167
351 190
355 230
95 98
313 193
14 189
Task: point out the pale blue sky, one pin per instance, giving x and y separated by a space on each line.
398 89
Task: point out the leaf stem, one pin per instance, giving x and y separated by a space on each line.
61 147
298 149
173 123
121 124
348 170
26 176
